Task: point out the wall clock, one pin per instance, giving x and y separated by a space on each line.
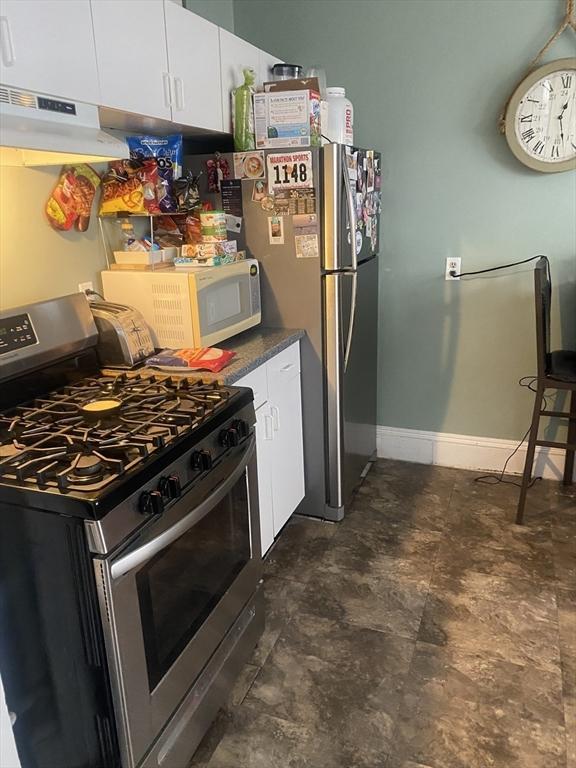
540 122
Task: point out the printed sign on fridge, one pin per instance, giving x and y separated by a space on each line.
289 170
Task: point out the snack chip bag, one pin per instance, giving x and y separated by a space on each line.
129 186
167 151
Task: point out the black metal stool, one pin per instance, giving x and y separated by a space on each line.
556 370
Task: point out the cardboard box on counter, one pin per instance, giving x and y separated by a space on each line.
217 260
287 114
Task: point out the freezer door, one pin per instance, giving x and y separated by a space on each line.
338 211
351 301
352 179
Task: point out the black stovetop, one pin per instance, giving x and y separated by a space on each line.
89 436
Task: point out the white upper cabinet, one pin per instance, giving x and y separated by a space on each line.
235 55
47 46
132 56
194 66
267 61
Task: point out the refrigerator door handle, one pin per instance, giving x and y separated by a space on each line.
354 276
351 212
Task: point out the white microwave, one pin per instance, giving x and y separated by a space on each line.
192 306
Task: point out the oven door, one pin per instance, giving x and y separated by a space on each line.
169 597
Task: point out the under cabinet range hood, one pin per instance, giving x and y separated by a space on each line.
42 130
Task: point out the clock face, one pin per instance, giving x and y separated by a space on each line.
540 123
545 121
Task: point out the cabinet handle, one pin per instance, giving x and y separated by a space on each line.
167 89
287 368
276 417
6 43
179 89
268 427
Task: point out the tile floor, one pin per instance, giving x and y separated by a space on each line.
425 631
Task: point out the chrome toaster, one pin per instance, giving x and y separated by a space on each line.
124 338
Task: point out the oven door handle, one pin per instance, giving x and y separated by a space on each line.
147 551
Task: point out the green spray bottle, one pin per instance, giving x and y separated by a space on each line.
244 138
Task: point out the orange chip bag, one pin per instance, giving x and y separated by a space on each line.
130 186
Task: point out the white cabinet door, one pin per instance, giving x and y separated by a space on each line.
194 64
235 55
287 447
132 56
47 46
267 61
264 451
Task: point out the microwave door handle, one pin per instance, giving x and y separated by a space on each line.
351 212
147 551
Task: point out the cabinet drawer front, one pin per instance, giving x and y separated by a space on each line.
286 364
256 380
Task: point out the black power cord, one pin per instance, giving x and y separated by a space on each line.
453 273
494 479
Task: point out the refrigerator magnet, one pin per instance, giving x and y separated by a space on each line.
306 246
289 170
233 223
259 191
276 230
305 224
249 165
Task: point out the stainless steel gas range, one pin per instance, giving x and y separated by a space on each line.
129 548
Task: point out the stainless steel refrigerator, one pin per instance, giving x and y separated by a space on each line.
313 224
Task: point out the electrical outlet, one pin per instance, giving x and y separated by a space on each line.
453 265
83 287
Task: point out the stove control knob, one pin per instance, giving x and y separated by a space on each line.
241 427
201 460
151 503
169 487
229 437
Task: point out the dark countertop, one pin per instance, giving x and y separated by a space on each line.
253 348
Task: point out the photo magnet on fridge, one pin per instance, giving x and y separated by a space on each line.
259 191
276 230
249 165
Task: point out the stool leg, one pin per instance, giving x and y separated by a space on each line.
526 477
569 465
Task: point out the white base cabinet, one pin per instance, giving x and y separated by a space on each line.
279 444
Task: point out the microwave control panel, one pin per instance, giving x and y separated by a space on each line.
16 332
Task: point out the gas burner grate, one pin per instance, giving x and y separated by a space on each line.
57 441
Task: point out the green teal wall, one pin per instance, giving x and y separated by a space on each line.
219 12
428 79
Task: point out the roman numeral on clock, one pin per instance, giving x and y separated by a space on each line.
539 147
566 81
528 135
526 119
555 151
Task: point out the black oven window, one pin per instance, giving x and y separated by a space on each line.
179 588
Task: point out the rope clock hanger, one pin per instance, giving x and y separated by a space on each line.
539 120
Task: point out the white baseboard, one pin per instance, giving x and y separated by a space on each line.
465 452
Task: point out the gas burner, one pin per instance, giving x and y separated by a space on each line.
94 410
10 449
87 465
87 434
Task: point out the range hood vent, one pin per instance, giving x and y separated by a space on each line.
36 129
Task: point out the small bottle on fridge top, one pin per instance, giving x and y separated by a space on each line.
340 117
